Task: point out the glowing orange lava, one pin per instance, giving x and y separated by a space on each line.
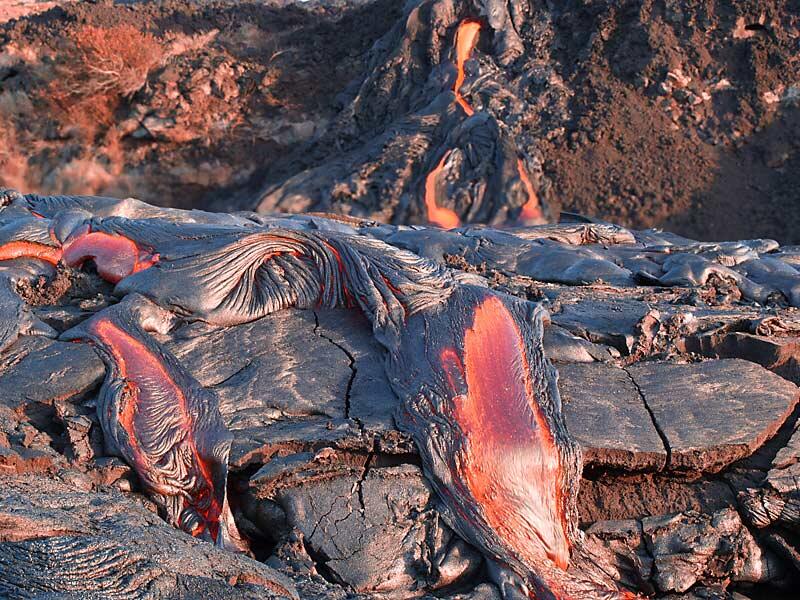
149 384
511 462
438 215
466 38
115 256
532 209
30 250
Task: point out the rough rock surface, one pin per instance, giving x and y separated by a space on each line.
74 542
599 398
715 412
690 439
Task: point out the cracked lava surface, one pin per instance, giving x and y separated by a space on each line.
437 396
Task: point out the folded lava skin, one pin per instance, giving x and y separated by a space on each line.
161 421
482 405
479 397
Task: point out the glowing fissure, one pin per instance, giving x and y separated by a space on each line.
532 209
141 369
466 38
438 215
511 462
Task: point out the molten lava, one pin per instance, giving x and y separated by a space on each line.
115 256
151 392
532 209
20 249
511 461
466 38
438 215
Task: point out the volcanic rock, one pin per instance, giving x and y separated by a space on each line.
715 412
325 480
688 548
59 540
606 414
378 532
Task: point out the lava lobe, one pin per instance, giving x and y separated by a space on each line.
115 256
438 215
165 425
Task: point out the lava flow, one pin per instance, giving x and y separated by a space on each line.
466 38
115 256
511 460
531 212
22 249
438 215
159 429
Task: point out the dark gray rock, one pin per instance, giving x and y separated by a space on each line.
690 548
40 370
378 532
54 538
607 321
608 417
714 412
280 382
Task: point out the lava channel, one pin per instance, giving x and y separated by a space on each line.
438 215
466 38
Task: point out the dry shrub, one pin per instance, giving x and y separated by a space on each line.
180 43
98 69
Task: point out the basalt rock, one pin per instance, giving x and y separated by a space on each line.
315 393
69 543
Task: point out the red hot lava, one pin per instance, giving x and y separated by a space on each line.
466 38
152 396
438 215
115 256
531 213
511 461
22 249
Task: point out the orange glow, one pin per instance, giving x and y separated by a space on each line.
466 38
438 215
532 210
115 256
13 250
510 461
142 371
